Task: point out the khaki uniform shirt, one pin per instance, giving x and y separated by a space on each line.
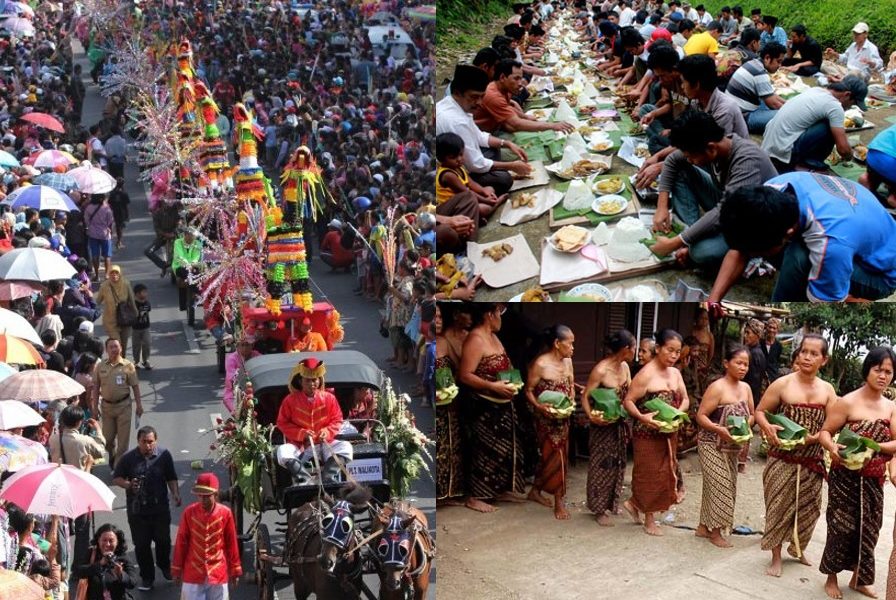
116 379
77 447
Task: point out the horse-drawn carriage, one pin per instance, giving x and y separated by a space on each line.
330 524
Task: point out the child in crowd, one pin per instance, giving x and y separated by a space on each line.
452 178
141 327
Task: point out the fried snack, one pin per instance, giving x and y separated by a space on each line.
584 168
536 294
499 251
570 237
525 199
642 151
860 152
848 123
601 146
636 129
874 102
610 206
609 186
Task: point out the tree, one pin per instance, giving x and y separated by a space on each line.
850 329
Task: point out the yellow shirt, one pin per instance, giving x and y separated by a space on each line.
445 193
701 43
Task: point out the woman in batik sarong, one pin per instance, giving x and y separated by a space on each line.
792 478
495 456
725 397
654 475
855 510
608 441
551 370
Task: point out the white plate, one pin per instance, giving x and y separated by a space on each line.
596 206
591 289
600 148
573 250
597 191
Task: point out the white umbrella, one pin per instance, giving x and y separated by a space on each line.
16 325
92 180
18 25
15 414
55 489
39 385
35 264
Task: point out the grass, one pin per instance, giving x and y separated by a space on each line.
462 25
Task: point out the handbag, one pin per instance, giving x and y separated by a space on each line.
125 313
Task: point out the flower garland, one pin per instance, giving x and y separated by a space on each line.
407 453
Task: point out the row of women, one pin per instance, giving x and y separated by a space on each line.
479 448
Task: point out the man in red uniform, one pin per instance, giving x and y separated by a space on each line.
310 413
206 553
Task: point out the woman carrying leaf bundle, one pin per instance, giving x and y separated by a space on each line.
793 476
856 497
654 476
551 371
494 444
609 433
726 401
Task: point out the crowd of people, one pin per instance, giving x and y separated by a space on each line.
487 433
729 156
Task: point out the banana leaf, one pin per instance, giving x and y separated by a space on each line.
444 378
564 297
555 399
607 402
511 376
739 428
665 412
855 444
792 431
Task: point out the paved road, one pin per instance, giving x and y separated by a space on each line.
183 391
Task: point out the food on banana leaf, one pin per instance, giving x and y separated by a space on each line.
607 403
557 403
792 434
525 199
670 417
860 152
739 428
858 450
642 151
446 388
536 294
511 376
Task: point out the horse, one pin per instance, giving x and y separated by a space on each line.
317 546
404 552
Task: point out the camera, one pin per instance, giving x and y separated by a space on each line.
111 559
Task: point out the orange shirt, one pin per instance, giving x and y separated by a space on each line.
494 110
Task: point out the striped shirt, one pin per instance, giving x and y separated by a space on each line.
749 84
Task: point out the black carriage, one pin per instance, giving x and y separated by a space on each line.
347 372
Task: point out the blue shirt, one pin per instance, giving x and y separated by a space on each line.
156 470
778 35
885 142
842 224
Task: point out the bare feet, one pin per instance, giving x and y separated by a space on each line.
702 531
479 505
742 467
560 511
716 539
604 520
774 568
679 495
651 528
862 589
804 561
831 588
632 511
535 496
450 502
791 550
512 497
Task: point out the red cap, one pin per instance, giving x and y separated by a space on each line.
306 321
661 34
206 483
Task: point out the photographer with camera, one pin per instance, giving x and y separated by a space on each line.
109 573
147 473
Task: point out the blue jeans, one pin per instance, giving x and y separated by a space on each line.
794 278
759 118
813 147
655 140
694 191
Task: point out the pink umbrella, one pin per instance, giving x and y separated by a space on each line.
49 159
13 290
55 489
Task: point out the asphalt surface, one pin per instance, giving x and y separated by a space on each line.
182 394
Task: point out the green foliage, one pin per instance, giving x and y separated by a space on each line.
829 22
407 449
849 329
463 23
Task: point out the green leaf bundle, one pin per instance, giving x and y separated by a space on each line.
739 428
607 402
670 417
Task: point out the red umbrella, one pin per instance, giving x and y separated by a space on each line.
44 120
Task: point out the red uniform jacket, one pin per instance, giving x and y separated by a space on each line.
206 548
300 416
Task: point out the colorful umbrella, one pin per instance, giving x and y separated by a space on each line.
40 197
34 264
50 159
23 27
15 414
58 181
43 119
17 586
6 371
92 180
39 385
12 323
16 351
55 489
17 452
13 290
422 13
8 160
